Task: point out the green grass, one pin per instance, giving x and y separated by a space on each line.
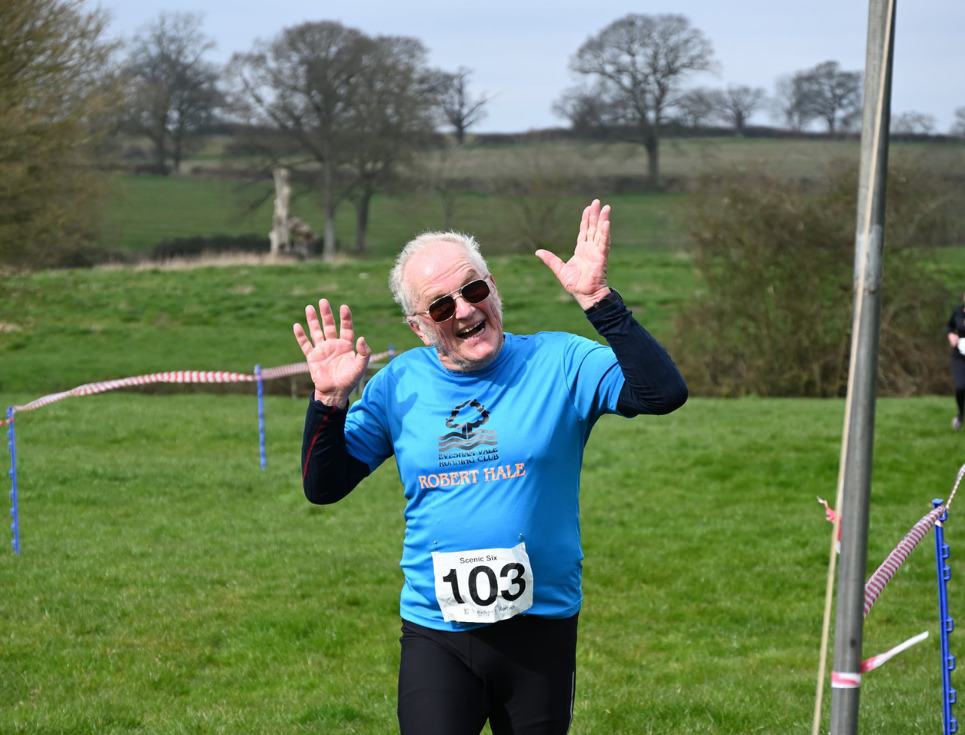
64 328
168 585
139 215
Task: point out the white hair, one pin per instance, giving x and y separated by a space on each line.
397 284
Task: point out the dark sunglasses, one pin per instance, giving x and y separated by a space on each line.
444 308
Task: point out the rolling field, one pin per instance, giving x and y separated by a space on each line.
139 217
169 585
561 177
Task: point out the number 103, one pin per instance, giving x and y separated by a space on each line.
512 572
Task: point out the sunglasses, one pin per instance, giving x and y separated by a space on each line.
444 308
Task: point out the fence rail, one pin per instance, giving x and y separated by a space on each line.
179 377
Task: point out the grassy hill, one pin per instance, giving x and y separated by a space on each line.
64 328
213 195
169 585
140 216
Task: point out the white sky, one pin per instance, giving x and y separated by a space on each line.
519 51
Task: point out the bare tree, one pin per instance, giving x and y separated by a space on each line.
173 90
461 108
390 115
737 103
636 66
833 95
789 104
353 105
958 127
696 107
533 194
913 123
589 116
298 83
58 100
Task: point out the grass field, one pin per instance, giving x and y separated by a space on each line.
139 216
166 584
147 210
65 328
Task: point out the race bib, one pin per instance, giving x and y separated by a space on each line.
483 585
961 346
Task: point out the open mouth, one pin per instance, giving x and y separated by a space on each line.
471 331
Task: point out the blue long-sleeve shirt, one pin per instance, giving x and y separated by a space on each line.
490 459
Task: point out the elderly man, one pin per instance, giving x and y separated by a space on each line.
488 431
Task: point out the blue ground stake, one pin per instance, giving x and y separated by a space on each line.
261 415
12 446
949 695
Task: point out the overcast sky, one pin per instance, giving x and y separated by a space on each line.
519 51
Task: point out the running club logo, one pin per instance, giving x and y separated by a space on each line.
467 442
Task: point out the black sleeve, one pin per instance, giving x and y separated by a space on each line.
653 383
329 472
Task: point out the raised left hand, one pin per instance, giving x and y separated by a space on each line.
584 274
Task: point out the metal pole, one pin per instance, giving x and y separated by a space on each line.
855 475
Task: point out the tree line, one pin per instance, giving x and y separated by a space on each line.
344 110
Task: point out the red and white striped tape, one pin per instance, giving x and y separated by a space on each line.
179 376
845 680
897 557
852 680
958 481
874 662
284 371
295 368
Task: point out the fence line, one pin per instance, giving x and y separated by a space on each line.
873 588
897 557
877 582
179 376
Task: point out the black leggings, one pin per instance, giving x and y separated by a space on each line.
520 674
958 375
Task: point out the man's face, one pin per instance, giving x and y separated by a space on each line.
472 338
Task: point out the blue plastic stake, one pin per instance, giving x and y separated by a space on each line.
947 623
261 415
12 446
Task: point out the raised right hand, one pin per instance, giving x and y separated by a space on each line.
335 363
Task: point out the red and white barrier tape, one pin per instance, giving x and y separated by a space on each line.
845 680
958 481
897 557
285 371
179 376
852 680
875 661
